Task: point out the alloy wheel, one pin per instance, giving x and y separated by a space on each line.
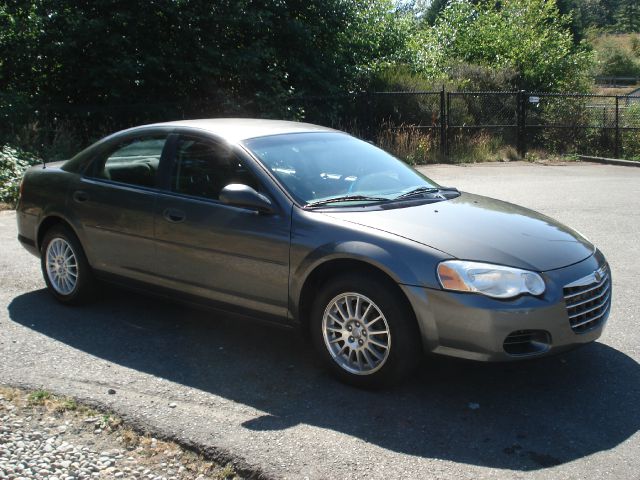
62 266
356 333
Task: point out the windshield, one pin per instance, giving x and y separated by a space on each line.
315 167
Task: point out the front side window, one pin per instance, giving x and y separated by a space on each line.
318 166
134 162
202 168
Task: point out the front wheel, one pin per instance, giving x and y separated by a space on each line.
64 266
365 331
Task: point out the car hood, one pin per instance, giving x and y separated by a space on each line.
473 227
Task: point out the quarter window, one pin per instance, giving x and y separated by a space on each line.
203 168
135 162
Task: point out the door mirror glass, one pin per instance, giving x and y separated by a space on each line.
240 195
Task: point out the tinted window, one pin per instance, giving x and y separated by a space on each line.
203 168
314 166
134 162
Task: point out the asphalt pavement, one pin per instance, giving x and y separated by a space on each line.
257 394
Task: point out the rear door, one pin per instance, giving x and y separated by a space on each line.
227 254
114 204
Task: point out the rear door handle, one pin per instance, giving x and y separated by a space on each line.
80 196
174 215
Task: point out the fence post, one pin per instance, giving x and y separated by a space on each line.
521 129
616 148
448 121
443 124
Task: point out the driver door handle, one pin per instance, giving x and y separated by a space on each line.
174 215
80 196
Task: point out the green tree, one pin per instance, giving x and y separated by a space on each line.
219 53
628 16
529 37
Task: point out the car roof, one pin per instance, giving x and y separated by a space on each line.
233 130
238 129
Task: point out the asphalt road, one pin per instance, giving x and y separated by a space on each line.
258 395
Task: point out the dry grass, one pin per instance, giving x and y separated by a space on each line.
480 147
619 91
419 146
629 42
414 145
53 403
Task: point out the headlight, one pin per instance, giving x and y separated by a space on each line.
492 280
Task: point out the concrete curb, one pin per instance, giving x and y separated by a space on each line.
609 161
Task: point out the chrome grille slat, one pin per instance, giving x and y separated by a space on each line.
584 322
604 279
573 305
588 300
584 312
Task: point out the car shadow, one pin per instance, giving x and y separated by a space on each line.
523 416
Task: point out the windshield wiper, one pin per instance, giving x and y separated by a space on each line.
443 193
346 198
417 191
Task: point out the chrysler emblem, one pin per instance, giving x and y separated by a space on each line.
597 275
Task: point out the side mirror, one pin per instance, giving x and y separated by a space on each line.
239 195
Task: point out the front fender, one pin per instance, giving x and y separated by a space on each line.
313 243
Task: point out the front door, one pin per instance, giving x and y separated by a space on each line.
232 255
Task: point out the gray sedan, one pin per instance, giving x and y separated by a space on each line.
308 227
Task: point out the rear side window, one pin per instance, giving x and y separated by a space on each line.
202 168
134 162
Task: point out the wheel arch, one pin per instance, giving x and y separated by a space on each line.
331 268
49 222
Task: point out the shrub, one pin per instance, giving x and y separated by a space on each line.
414 145
635 45
617 55
481 146
619 63
529 37
13 164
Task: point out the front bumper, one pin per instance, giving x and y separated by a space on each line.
475 327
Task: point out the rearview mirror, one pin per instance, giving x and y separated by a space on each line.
239 195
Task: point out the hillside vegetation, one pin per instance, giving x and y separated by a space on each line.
617 54
73 71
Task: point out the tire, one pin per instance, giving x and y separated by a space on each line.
65 268
367 364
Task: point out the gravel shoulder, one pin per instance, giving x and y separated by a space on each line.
48 437
257 396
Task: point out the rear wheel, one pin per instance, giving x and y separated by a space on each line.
64 266
365 331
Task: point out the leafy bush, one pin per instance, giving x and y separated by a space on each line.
635 45
619 64
618 55
630 139
13 164
529 37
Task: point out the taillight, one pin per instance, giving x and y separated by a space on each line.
21 190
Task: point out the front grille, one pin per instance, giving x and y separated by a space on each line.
588 300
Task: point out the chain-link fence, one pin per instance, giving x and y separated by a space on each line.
421 127
431 126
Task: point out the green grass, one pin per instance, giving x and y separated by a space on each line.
39 397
